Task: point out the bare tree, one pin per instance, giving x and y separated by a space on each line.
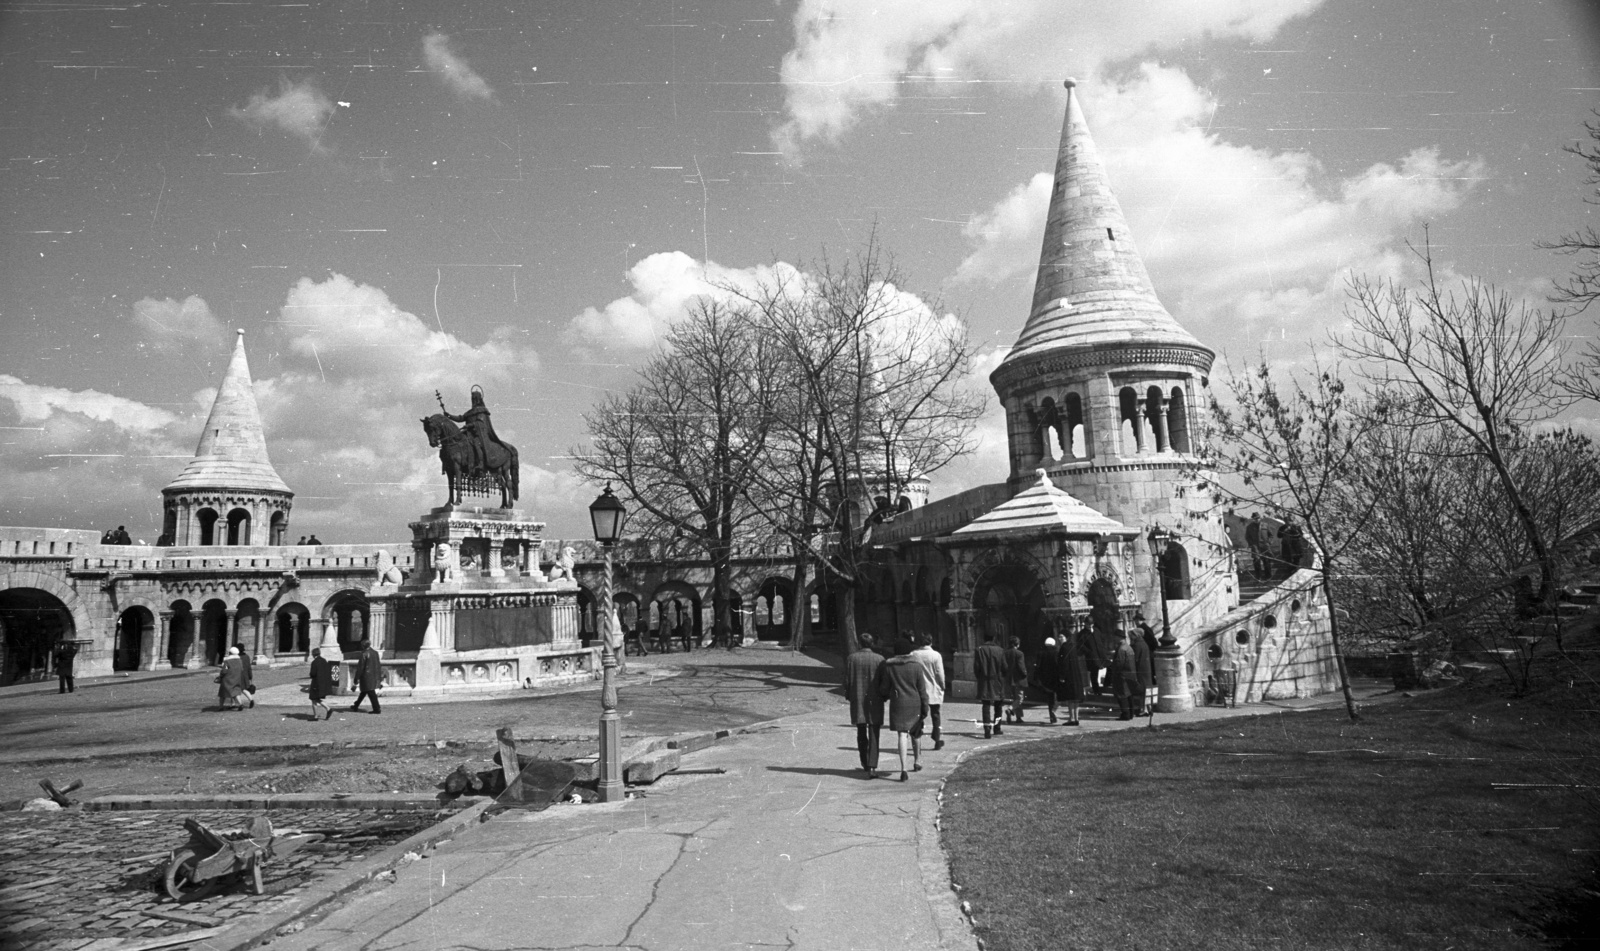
1471 360
1289 447
1583 288
872 396
685 442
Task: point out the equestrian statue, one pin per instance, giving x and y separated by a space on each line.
475 460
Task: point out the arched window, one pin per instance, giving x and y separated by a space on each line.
279 530
1175 572
1075 428
238 527
1155 412
1128 421
207 518
1178 420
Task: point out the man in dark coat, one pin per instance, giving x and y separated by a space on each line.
1047 674
65 655
1072 676
1291 546
321 684
1145 650
1092 647
1253 537
1146 675
989 668
1016 678
249 671
866 705
369 674
1124 676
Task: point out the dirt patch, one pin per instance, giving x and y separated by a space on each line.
318 769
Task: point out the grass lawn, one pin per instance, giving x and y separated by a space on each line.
1293 830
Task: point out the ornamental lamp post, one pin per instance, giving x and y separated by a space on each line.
1160 538
1172 669
608 514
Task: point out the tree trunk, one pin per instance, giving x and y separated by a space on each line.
1338 649
800 613
845 616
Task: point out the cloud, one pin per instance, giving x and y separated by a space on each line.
850 60
665 285
300 109
176 325
1239 240
452 70
41 404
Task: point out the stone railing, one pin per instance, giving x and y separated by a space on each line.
241 557
488 671
33 543
1275 647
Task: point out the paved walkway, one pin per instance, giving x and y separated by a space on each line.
790 848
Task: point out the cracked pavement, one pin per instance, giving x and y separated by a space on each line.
790 848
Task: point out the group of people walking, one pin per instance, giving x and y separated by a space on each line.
1291 547
910 683
236 681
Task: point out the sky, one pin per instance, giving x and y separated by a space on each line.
392 198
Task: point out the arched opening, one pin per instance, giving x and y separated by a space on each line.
349 613
247 628
207 519
1128 421
1155 413
1076 428
169 528
293 626
1049 430
1178 420
136 630
678 608
214 631
588 627
736 617
1175 572
34 621
627 604
1010 603
279 532
238 527
180 634
774 603
1105 614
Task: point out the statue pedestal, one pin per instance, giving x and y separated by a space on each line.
466 628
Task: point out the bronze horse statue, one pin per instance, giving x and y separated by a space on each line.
456 455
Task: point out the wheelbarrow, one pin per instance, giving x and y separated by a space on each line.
212 860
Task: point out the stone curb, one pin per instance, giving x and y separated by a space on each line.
260 929
89 683
373 801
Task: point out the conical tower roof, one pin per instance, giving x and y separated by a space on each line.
1093 290
232 453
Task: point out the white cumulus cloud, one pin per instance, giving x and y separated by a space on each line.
169 324
452 70
299 108
665 285
850 59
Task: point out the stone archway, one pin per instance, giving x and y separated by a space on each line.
33 622
135 635
1009 600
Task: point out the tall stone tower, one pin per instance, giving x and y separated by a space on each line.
229 494
1101 388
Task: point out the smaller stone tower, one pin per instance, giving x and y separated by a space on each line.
229 494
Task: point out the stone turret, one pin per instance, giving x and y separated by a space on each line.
229 494
1102 385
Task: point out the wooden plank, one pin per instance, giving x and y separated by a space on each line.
509 764
170 941
205 921
24 886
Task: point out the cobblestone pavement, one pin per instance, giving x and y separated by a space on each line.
80 881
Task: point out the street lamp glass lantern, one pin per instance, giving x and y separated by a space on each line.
1160 538
608 515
